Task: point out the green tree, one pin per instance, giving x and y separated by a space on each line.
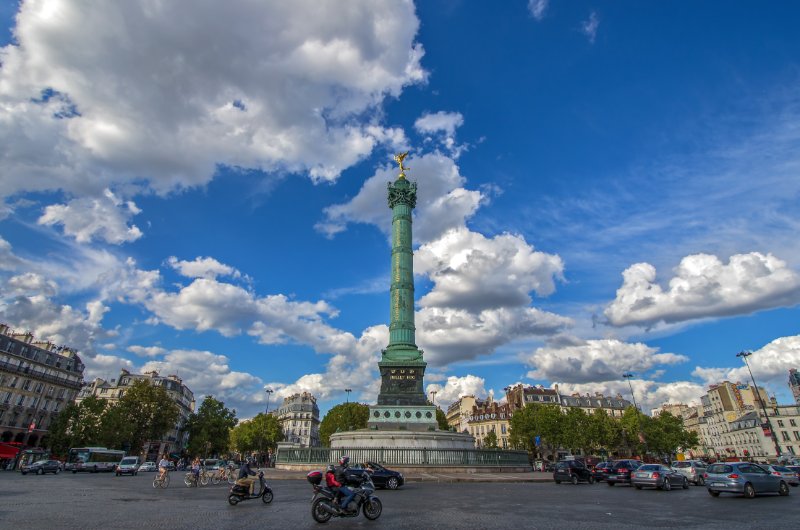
60 435
633 428
343 417
261 433
522 434
490 440
604 433
575 430
441 420
147 411
209 428
666 435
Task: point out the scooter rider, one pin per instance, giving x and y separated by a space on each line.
346 493
245 472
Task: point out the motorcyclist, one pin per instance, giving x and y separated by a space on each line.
247 477
341 478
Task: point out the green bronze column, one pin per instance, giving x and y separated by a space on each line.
401 402
402 345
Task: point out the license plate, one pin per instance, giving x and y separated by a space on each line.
718 484
641 475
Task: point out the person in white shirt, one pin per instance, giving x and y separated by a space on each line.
163 466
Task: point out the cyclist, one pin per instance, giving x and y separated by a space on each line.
163 467
196 469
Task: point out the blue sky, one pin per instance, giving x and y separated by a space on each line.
602 188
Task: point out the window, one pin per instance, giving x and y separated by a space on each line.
35 401
13 383
792 423
21 400
797 435
7 397
26 385
780 423
785 436
39 387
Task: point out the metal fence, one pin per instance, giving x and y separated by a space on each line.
405 456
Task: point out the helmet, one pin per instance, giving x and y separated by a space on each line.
343 461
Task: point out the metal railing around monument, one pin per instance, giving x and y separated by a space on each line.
405 456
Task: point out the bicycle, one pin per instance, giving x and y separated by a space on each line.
223 475
161 481
190 479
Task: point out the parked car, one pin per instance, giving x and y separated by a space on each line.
128 466
743 478
148 466
796 469
620 472
572 471
381 476
658 476
692 470
41 467
212 464
787 474
601 470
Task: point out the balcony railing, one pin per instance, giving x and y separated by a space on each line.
39 376
405 456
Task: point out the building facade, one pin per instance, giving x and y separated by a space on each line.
459 412
177 439
794 384
490 416
299 419
37 379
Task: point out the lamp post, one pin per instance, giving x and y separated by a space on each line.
744 355
348 390
433 399
629 376
269 395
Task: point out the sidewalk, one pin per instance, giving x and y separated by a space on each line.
424 476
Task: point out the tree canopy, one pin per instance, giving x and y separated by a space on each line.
145 412
262 433
341 418
209 428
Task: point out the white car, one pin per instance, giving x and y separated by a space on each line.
148 466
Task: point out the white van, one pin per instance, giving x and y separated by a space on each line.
128 466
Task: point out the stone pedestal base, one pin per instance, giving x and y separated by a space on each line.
372 439
402 418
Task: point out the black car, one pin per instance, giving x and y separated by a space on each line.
381 477
572 471
41 467
620 472
601 470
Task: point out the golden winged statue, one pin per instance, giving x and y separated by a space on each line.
399 159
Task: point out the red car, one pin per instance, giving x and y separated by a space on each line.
601 470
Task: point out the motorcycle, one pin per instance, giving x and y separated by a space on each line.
324 505
240 493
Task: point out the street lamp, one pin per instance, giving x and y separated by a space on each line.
348 390
433 399
629 376
269 395
744 355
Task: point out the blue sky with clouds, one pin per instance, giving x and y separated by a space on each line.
602 188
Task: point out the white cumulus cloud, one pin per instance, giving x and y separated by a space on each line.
584 361
456 387
104 217
704 287
202 268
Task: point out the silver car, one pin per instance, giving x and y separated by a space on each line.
787 474
743 478
692 470
658 476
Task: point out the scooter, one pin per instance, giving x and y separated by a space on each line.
324 505
239 493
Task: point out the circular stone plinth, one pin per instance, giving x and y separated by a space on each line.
373 439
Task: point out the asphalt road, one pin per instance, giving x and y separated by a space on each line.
68 501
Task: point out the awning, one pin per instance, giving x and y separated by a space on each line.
8 451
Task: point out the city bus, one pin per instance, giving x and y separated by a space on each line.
93 459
